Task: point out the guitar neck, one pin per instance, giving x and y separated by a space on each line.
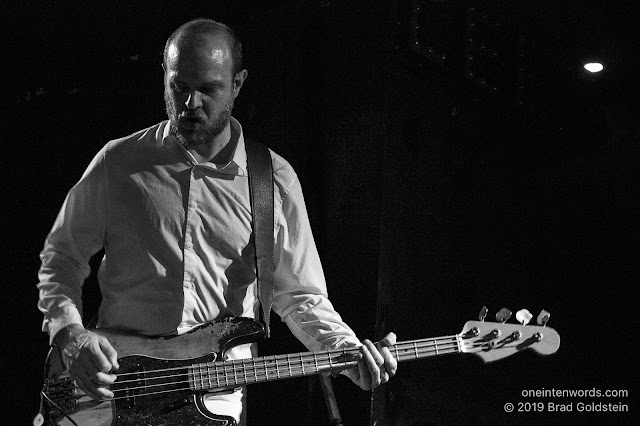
224 374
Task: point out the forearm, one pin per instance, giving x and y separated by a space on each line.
314 321
60 291
77 233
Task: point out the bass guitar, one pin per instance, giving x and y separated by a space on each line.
162 380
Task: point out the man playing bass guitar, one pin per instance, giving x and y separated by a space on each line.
170 207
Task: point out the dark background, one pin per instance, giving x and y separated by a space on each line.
453 154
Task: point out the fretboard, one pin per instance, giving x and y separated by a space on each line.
223 374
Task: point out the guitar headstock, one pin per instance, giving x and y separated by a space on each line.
492 341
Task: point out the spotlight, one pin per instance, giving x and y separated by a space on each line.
594 67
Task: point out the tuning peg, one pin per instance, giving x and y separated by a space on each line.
503 315
543 317
523 316
483 313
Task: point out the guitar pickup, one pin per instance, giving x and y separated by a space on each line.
62 393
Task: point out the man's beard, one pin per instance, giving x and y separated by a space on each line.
201 134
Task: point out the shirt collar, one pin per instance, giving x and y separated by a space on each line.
240 156
237 165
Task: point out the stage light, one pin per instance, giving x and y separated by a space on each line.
594 67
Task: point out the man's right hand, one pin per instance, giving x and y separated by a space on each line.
90 359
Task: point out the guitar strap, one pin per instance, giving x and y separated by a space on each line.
260 172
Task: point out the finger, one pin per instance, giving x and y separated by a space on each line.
385 361
91 379
88 390
103 379
375 353
110 353
101 393
390 362
100 360
364 377
388 340
85 382
99 382
104 393
373 360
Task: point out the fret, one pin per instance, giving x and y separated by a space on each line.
415 349
435 342
395 348
235 372
289 366
277 365
210 385
255 370
192 378
302 363
204 372
195 376
315 360
244 371
266 369
200 377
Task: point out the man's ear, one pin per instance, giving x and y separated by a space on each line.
238 81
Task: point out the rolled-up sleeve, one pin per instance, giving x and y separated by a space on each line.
76 235
300 296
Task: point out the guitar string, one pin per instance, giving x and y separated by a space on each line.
191 382
226 372
309 356
278 360
256 374
188 383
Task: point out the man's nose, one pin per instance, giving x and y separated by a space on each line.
194 101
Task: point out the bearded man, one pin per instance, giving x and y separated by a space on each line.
170 206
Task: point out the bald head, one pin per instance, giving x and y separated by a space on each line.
197 33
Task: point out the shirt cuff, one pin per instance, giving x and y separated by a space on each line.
67 315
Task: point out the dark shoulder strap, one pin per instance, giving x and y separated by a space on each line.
261 190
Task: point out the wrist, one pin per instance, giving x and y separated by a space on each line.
65 335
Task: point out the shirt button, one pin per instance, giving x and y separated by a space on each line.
193 204
188 246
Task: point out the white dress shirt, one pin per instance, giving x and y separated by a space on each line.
178 245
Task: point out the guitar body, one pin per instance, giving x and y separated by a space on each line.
141 400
